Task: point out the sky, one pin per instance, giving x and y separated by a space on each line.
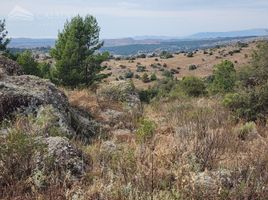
128 18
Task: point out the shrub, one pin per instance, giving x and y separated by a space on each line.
137 76
146 130
123 66
29 65
129 74
167 73
190 55
246 129
174 71
250 105
165 55
145 78
192 67
17 157
141 68
224 77
193 86
153 77
141 55
44 70
147 95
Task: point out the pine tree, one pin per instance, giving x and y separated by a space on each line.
77 62
3 34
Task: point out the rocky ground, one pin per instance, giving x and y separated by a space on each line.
106 144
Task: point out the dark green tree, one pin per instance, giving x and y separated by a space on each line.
77 62
29 65
224 78
3 36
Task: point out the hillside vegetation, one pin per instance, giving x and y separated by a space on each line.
196 133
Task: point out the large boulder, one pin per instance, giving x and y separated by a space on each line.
31 95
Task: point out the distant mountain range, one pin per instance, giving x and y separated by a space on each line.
244 33
149 44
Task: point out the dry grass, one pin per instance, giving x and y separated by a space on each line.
193 137
205 63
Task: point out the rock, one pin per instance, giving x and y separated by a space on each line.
108 146
120 91
32 95
66 158
111 116
123 135
66 155
9 67
203 181
212 181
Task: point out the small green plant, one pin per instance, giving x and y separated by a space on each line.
246 129
146 130
145 78
141 68
129 74
153 77
165 55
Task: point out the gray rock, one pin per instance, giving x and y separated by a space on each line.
65 159
32 95
9 67
120 91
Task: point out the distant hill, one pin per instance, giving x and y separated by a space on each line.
31 43
141 40
129 41
244 33
174 45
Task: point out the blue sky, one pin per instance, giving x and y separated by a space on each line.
125 18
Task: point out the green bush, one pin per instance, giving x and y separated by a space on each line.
250 100
146 130
141 68
17 157
192 67
223 78
129 74
153 77
147 95
44 70
29 65
145 78
246 129
190 55
193 86
167 74
165 55
249 104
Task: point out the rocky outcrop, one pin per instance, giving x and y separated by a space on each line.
9 67
120 91
51 121
30 95
120 104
